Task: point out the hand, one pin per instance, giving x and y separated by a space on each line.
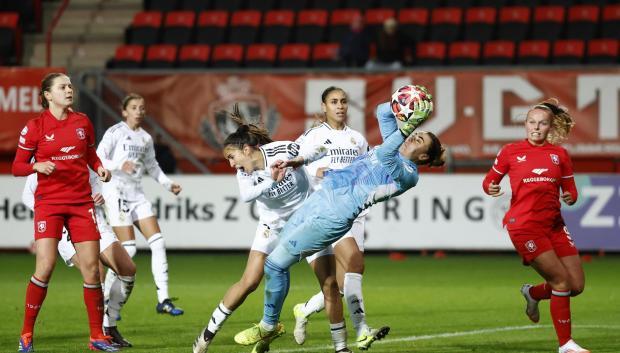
567 198
320 173
98 199
104 174
293 163
495 190
175 188
422 109
128 167
277 173
46 167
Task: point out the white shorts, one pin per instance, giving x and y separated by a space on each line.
123 212
356 232
65 246
265 239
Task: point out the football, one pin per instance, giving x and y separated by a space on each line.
403 100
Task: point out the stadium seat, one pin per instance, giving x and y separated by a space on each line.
603 51
534 52
499 52
29 11
295 5
278 26
427 4
211 28
610 26
161 56
493 3
244 26
227 5
261 5
128 56
227 56
294 55
145 28
480 23
178 27
430 53
326 55
260 55
328 5
464 53
568 51
10 38
340 23
582 22
414 22
194 56
514 23
445 24
195 5
393 4
548 22
160 5
374 19
527 3
311 26
463 4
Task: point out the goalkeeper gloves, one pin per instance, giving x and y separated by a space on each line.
421 111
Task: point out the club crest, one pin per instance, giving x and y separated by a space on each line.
80 133
555 159
530 246
41 226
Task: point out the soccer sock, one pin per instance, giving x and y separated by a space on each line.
130 247
314 305
277 281
159 265
35 294
355 301
541 291
219 316
339 335
93 298
560 314
119 293
110 278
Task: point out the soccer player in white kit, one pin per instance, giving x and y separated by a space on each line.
111 254
278 193
127 151
344 145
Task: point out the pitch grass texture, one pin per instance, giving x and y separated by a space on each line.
461 303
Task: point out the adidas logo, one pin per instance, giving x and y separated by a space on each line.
358 311
67 149
293 242
327 142
260 180
539 171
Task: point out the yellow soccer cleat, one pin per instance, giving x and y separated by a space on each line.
372 334
256 333
262 346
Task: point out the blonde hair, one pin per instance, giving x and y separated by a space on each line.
561 121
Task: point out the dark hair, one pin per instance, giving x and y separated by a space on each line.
128 98
246 133
329 90
46 85
436 152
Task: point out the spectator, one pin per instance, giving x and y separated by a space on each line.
392 47
355 46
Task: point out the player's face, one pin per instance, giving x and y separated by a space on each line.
537 125
335 107
416 146
135 112
60 93
239 159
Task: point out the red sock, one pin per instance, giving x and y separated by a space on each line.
541 291
93 298
560 314
35 295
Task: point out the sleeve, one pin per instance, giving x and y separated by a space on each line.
568 179
152 167
250 192
306 143
364 146
498 170
105 151
387 153
29 189
91 154
28 141
387 120
309 152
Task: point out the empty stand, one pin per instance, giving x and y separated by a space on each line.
499 52
161 56
260 55
480 23
194 56
340 23
464 53
603 51
178 27
414 22
535 52
10 38
568 51
211 27
326 55
445 24
430 53
514 23
244 26
278 26
145 28
128 56
294 55
610 26
227 56
582 22
548 22
311 26
374 19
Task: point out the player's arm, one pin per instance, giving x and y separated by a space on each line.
387 120
569 189
250 192
105 151
494 176
154 170
301 155
26 146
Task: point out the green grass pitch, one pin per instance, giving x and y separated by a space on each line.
461 303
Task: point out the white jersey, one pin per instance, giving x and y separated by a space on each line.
277 201
120 144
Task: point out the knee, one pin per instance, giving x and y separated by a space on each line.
560 283
577 289
128 270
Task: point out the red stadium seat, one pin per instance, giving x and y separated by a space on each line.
446 24
610 27
326 55
244 26
340 23
413 22
568 51
480 23
311 26
161 56
499 52
603 51
145 28
278 26
294 55
464 53
534 52
227 55
211 27
10 38
514 23
548 22
194 56
430 53
128 56
374 19
582 22
260 55
178 27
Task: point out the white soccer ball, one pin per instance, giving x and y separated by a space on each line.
403 100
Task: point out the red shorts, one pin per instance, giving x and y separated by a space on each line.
531 243
79 219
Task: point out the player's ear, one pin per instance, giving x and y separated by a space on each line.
324 107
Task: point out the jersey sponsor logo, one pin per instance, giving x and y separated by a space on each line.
49 138
24 130
555 159
521 159
41 226
67 149
530 245
539 171
538 179
66 158
80 133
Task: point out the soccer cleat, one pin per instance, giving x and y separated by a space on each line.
372 334
257 333
201 343
102 343
26 344
572 347
116 337
300 324
531 308
262 346
344 350
166 307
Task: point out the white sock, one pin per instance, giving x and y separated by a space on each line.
119 293
110 278
159 265
314 304
219 316
130 247
339 335
267 327
355 301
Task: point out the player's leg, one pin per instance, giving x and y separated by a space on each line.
126 236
